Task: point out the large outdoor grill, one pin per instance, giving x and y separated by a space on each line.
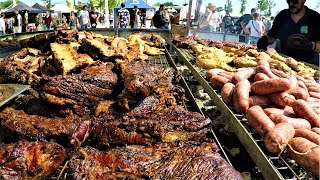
270 165
162 60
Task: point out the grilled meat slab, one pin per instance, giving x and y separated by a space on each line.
71 130
30 160
162 161
142 80
82 91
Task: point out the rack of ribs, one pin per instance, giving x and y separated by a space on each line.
161 161
66 58
142 80
17 124
30 160
82 91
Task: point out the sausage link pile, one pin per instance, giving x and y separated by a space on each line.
282 108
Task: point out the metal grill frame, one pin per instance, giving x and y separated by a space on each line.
272 167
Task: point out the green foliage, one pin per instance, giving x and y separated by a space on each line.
165 4
264 6
219 9
271 5
7 3
49 4
243 6
228 6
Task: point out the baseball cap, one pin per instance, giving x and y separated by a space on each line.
85 6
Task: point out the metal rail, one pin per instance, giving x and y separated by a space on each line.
271 167
167 61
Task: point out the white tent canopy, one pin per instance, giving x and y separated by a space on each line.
62 8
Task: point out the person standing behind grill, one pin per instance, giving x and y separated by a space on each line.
2 25
213 19
83 18
94 17
227 23
245 20
134 17
254 28
123 18
17 22
72 20
48 20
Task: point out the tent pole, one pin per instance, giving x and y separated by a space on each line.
189 16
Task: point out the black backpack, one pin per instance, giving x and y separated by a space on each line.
157 20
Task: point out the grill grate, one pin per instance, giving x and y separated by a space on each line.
287 167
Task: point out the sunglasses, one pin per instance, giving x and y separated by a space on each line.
293 1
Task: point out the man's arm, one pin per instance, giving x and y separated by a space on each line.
317 48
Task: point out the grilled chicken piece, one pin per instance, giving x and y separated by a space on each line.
30 160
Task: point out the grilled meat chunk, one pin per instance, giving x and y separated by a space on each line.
142 80
82 91
167 125
30 160
66 58
162 161
17 124
100 50
21 67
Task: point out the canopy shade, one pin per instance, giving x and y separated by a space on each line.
140 3
41 8
62 8
22 7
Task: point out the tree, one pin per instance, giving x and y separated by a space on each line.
6 4
49 5
219 9
228 6
165 4
243 6
263 6
271 4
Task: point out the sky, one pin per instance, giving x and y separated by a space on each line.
280 4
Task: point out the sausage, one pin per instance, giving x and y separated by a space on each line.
294 84
243 73
308 134
280 73
262 101
282 99
312 84
297 123
218 81
260 77
212 72
226 75
270 111
259 120
316 130
278 137
312 99
314 89
302 85
270 86
289 109
241 96
314 104
227 93
301 93
302 109
306 153
315 94
264 67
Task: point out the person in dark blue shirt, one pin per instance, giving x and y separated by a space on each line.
298 29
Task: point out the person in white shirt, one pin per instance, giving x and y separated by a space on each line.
213 19
255 28
2 25
17 23
83 17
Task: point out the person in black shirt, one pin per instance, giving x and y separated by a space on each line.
298 29
227 23
94 17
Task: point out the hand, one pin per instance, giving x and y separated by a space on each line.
263 43
300 42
